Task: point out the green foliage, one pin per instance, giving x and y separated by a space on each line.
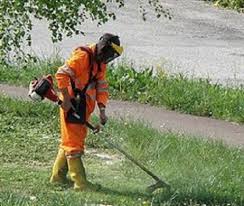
200 172
63 17
22 73
177 92
233 4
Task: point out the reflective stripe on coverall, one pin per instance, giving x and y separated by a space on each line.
77 67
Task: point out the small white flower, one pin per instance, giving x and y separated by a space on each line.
33 198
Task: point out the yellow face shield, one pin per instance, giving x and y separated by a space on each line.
114 52
118 49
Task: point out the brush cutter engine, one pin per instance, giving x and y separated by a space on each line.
42 88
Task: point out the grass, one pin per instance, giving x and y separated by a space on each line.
199 171
22 74
176 92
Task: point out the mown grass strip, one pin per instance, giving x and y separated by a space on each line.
199 171
176 92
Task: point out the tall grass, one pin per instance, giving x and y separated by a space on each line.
199 171
23 73
176 92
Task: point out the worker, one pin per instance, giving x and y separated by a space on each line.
82 85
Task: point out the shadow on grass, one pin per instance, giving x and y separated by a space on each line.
173 197
127 193
103 190
206 198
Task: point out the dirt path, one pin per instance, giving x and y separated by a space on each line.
162 119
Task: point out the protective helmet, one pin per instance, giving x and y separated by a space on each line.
112 48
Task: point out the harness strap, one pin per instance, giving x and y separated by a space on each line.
91 67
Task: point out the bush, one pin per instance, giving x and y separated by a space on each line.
233 4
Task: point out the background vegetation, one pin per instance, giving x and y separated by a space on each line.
233 4
176 92
63 19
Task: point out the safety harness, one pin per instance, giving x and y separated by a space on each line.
79 101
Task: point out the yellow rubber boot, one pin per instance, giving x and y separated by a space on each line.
78 175
60 169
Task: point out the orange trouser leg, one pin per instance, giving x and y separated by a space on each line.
72 136
73 143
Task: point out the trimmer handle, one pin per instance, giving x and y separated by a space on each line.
95 129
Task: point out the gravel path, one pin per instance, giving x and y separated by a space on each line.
162 119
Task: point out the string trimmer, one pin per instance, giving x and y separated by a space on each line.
159 182
40 89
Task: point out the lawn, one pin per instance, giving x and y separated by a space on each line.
200 172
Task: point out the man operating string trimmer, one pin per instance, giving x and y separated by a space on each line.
82 84
81 81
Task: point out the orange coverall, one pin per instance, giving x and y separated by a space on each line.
77 67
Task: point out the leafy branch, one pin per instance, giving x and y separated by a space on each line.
63 17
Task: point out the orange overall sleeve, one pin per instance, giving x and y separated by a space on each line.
73 68
102 86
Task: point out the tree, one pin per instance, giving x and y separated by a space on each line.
63 16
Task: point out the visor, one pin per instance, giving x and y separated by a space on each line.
111 58
114 52
118 49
